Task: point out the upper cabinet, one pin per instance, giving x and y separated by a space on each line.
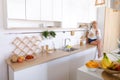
57 10
82 10
75 11
51 10
16 9
69 12
46 10
33 9
78 11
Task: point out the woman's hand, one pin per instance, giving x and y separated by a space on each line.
91 34
97 32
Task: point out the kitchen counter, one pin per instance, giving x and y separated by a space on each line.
46 58
99 74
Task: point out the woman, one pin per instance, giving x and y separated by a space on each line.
94 37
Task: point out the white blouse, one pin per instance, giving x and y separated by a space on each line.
92 34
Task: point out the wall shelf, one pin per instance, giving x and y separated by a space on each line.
33 31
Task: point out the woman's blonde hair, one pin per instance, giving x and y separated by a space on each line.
93 22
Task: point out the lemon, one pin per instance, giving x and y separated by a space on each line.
68 46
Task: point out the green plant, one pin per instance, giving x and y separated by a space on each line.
52 33
45 34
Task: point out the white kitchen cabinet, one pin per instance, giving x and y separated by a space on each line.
91 54
58 69
16 9
46 10
79 59
57 10
78 11
82 10
74 12
76 61
64 68
69 14
33 9
38 72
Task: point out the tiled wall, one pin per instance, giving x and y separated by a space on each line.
58 40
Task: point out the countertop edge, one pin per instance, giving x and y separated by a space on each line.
16 66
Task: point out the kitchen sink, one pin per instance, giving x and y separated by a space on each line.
69 50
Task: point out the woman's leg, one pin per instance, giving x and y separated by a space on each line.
99 48
98 43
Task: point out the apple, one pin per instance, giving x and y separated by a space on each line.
29 57
117 68
20 59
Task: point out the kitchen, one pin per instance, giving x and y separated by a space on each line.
29 18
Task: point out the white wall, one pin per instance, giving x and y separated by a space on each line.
101 19
2 55
6 39
78 11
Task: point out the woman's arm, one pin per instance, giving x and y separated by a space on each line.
87 36
98 33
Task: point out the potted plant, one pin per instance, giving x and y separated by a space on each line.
52 34
48 34
45 34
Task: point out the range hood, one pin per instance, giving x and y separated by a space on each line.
114 4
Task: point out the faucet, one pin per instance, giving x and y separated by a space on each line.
65 41
53 45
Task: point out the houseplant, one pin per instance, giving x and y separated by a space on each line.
45 34
52 33
48 34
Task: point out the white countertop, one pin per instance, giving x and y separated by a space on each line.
85 74
91 75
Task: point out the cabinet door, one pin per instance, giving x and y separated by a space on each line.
75 11
38 72
91 54
76 61
33 9
82 9
58 69
79 59
46 10
69 14
57 10
16 9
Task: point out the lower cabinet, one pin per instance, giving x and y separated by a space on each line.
38 72
79 59
91 54
58 69
76 61
64 68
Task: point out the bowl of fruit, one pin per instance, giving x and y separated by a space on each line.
109 66
92 65
30 57
114 68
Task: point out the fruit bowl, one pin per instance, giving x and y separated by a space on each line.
112 71
91 69
30 57
114 68
92 65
